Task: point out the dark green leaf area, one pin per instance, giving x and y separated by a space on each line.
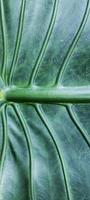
44 57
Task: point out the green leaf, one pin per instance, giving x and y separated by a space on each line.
44 100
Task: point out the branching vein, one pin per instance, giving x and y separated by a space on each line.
47 124
18 41
4 39
73 45
4 145
26 133
77 123
45 44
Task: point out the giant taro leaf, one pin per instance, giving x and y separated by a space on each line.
45 96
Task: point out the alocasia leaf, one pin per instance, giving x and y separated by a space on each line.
44 100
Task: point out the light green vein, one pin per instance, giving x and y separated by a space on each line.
18 41
77 123
45 44
29 145
73 45
4 145
4 39
47 124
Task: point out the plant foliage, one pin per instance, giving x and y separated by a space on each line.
44 146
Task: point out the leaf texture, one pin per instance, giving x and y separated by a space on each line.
44 148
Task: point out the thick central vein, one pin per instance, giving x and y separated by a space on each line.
47 95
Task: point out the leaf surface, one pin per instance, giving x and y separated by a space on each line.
44 148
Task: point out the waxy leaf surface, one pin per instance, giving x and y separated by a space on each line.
44 148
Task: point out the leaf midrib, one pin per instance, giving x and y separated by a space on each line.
47 95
